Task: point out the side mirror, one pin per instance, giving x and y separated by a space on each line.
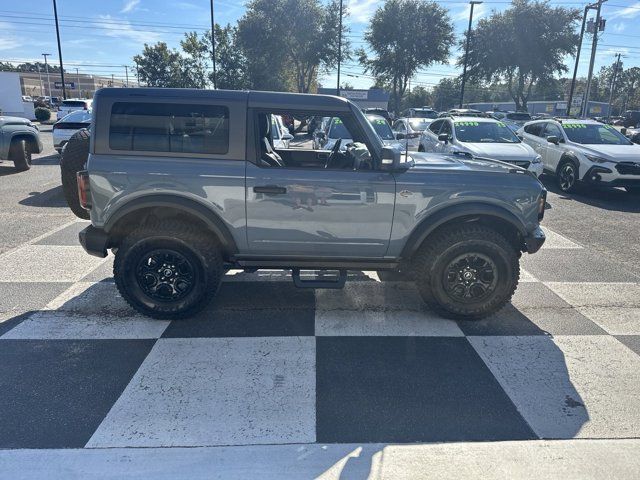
443 137
553 139
393 160
623 130
400 136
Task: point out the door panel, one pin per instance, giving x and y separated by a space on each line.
316 212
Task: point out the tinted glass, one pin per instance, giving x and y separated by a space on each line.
519 116
435 126
77 116
381 127
484 132
155 127
534 129
592 134
73 103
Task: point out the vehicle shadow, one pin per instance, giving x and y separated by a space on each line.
53 159
7 168
615 199
53 197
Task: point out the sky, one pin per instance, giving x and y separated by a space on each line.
100 37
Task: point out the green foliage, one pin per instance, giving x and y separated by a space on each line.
231 63
28 67
195 60
417 97
522 45
158 66
42 114
405 36
287 43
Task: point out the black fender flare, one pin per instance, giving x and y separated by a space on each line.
25 135
448 214
188 206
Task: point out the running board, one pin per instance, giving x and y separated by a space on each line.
336 284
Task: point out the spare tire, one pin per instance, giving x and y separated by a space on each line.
74 158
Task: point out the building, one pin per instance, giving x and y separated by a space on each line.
371 98
550 107
78 85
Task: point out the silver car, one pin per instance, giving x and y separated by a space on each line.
480 137
408 130
336 130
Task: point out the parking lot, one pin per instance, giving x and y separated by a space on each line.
325 383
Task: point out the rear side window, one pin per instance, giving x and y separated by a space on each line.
169 127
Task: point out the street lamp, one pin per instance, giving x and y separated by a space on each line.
466 51
46 69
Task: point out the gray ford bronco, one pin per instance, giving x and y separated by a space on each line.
19 138
185 184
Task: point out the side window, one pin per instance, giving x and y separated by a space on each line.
446 128
534 129
399 127
552 130
165 127
435 126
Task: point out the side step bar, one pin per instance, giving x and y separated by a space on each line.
316 283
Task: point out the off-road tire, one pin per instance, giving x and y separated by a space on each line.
74 159
195 245
20 154
435 256
563 169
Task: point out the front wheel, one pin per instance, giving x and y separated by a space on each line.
467 272
20 154
568 176
168 270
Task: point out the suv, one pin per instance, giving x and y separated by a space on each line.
19 138
184 184
631 118
585 151
73 104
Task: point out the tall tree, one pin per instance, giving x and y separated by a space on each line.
231 62
522 45
194 62
405 36
287 43
159 66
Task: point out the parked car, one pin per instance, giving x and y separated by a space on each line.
27 98
462 112
631 118
423 112
279 133
73 104
481 138
585 151
179 203
64 128
408 130
336 130
379 111
19 139
632 134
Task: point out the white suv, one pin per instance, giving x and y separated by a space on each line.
585 151
480 137
73 104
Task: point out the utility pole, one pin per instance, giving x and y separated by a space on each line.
339 49
575 67
39 78
466 51
137 73
46 69
213 48
616 68
55 14
126 73
112 81
78 80
594 45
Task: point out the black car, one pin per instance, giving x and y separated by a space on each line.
631 118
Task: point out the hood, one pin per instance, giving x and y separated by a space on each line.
614 153
457 162
14 121
506 152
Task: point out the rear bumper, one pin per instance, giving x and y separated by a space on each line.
535 240
94 241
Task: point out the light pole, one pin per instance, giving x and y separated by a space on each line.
39 78
616 68
575 67
46 69
594 46
126 74
78 80
466 51
213 48
339 50
55 14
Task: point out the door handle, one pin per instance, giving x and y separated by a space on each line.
270 190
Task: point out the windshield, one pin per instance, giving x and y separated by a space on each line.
592 134
78 116
382 128
73 103
484 132
338 130
419 124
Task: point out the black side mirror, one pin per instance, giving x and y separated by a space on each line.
553 139
394 161
623 131
443 137
400 136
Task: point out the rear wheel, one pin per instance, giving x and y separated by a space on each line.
467 272
168 270
20 154
567 175
74 159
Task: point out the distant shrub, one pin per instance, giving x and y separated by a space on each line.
43 114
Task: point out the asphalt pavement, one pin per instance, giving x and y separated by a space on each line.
276 382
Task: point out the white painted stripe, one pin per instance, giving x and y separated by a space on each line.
217 391
40 237
597 294
551 460
526 277
556 241
614 320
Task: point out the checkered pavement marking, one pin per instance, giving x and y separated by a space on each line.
268 363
